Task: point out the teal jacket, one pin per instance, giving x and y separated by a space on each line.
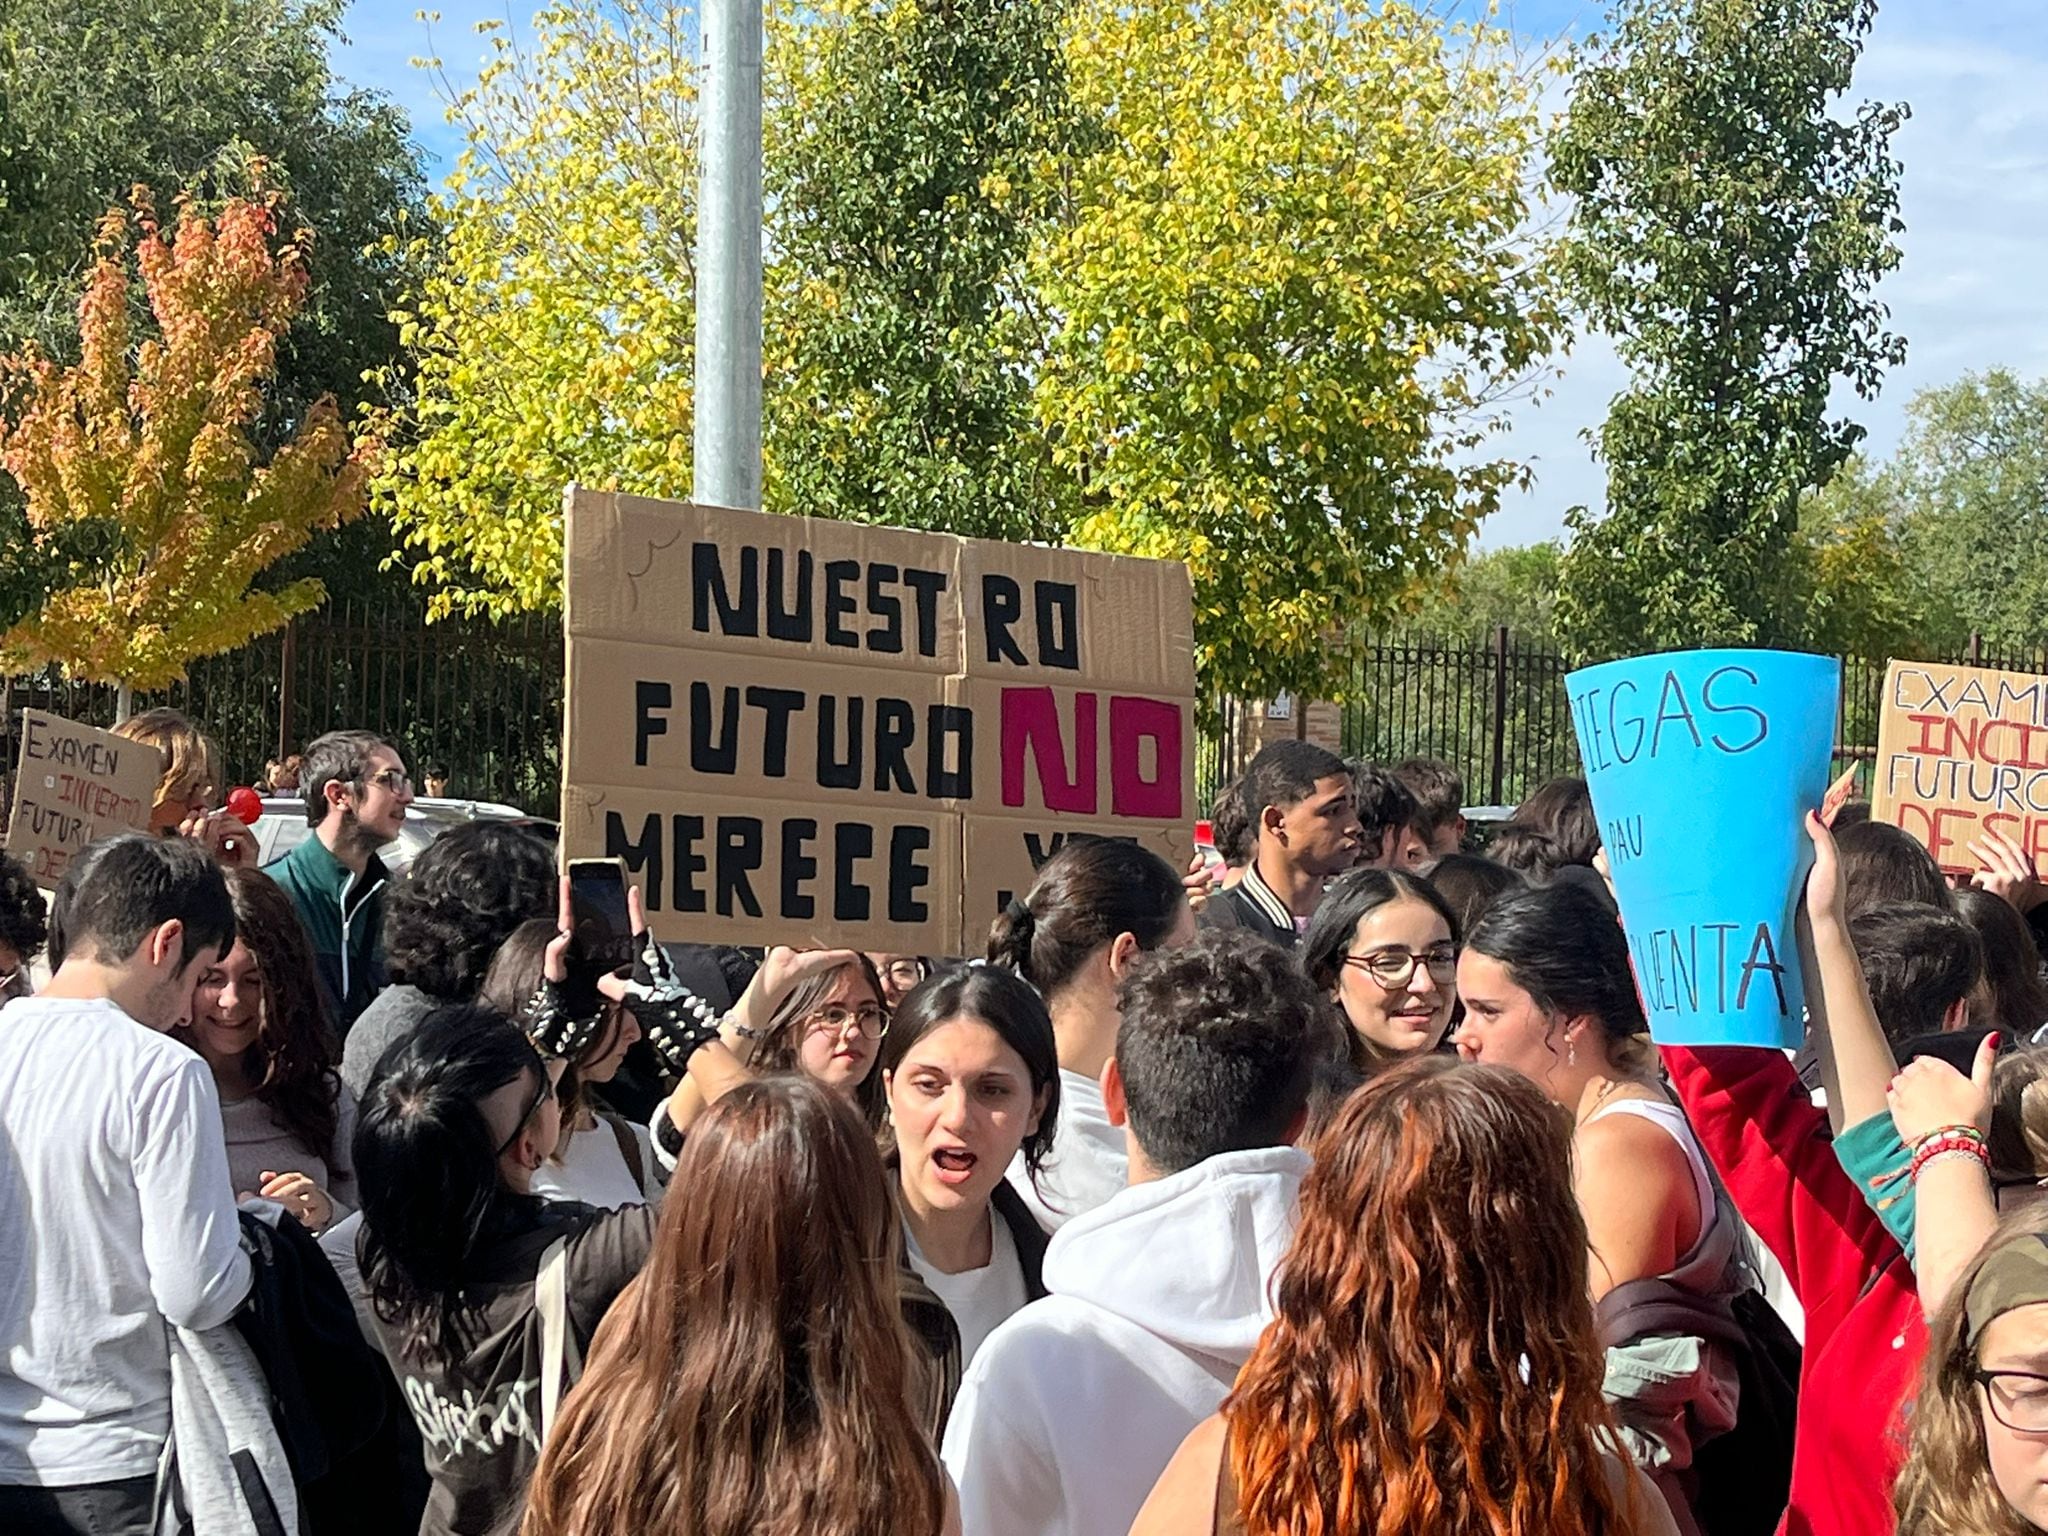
344 918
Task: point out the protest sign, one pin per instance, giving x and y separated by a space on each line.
800 731
1962 751
75 784
1702 766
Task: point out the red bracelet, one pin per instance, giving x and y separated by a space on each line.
1931 1147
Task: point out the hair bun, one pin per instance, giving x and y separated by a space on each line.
1021 921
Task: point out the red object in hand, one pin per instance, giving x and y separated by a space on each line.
245 805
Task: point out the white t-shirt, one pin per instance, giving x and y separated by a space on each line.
979 1299
115 1217
1090 1162
591 1168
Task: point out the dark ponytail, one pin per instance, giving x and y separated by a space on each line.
1562 946
1093 889
427 1169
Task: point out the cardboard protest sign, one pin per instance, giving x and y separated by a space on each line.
799 731
1962 751
1702 766
75 784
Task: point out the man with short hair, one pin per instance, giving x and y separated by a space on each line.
356 791
1389 820
1302 808
1921 963
1072 1408
117 1217
1439 795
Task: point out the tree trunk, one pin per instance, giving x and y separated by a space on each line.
124 703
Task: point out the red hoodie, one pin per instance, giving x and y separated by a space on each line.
1864 1332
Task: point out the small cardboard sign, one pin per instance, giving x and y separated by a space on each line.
802 731
75 784
1962 751
1702 766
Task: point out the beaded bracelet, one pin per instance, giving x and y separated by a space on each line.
1975 1155
1929 1148
1967 1132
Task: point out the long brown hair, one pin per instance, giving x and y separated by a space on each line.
1946 1487
292 1059
784 1033
754 1380
1432 1366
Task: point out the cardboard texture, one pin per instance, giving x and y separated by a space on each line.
1962 751
872 735
75 784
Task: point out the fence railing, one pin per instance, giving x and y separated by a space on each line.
484 700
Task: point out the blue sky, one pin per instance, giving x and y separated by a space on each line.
1972 292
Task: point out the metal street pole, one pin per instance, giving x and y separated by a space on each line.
728 382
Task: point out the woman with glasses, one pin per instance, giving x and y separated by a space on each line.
1384 946
899 973
454 1247
1979 1459
1549 994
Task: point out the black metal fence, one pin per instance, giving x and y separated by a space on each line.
1497 712
485 700
482 699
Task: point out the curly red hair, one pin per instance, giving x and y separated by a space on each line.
1432 1367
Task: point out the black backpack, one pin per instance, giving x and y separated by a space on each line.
1739 1482
354 1452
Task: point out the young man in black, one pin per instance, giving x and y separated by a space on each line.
1303 810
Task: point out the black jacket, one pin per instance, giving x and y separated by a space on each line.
1235 909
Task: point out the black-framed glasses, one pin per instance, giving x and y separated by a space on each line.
2018 1399
871 1019
396 780
1393 968
541 1095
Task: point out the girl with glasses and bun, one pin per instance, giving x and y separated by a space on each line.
1095 906
754 1378
1384 946
1442 1376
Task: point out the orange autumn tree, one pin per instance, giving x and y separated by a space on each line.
149 433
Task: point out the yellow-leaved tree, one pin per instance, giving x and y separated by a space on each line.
553 337
1293 292
147 438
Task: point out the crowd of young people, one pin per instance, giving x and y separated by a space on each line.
1344 1193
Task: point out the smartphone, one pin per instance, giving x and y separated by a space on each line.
597 892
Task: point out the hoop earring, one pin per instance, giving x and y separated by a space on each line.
1571 1053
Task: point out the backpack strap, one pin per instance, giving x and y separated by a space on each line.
559 1354
629 1148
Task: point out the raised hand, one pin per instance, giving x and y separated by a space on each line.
551 1024
676 1021
2008 872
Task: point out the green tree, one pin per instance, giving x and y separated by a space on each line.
1291 293
1970 487
903 175
1727 229
1516 586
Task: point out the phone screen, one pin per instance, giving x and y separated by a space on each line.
597 889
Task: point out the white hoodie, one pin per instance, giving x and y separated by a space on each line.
1075 1405
1088 1164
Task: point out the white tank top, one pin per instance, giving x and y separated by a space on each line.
1671 1120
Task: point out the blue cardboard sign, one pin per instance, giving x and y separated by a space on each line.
1702 765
